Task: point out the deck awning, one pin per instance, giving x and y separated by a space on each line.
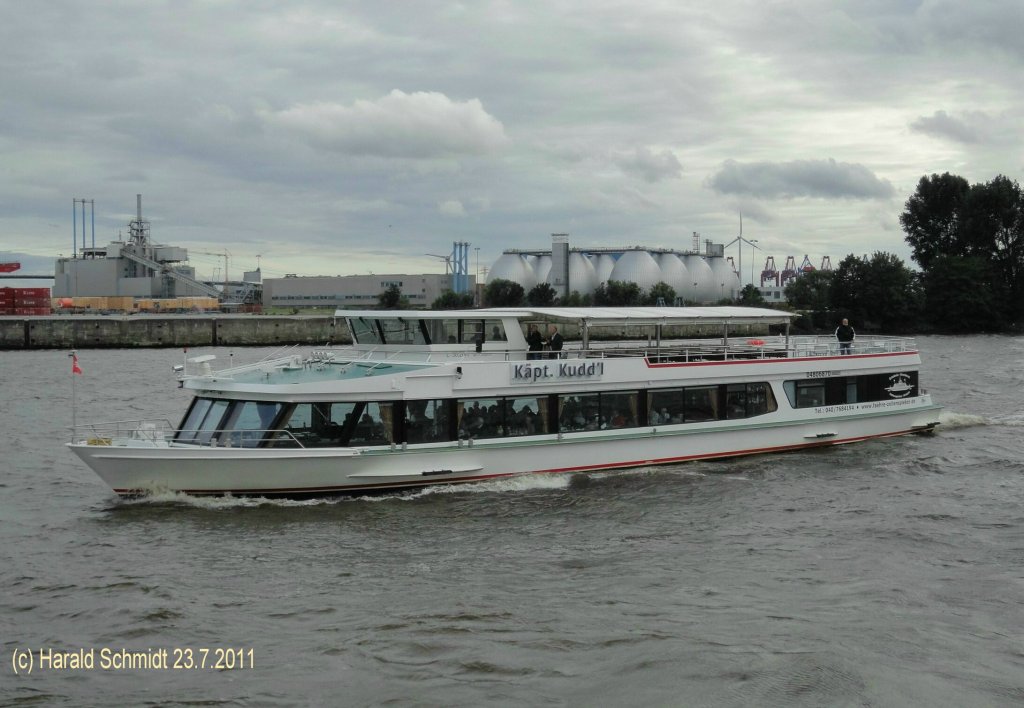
598 316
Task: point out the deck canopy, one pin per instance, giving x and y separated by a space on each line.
597 316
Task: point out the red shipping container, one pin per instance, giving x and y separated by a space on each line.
32 292
32 302
31 311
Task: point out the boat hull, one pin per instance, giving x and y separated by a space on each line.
142 469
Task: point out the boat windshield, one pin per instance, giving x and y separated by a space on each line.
404 331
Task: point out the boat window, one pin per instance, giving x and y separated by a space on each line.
525 416
495 330
443 331
247 422
735 401
700 403
210 423
620 409
597 411
316 425
810 394
480 418
189 426
665 407
426 421
760 399
374 425
402 331
472 331
364 331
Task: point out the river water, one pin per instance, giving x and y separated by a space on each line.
888 573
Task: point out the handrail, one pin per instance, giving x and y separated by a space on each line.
161 430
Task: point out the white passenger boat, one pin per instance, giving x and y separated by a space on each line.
444 397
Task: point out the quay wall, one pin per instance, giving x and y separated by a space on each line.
128 331
101 332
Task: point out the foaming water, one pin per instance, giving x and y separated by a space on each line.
882 573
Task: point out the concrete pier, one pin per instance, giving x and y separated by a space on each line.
127 331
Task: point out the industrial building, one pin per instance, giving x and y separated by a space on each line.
354 291
701 277
140 268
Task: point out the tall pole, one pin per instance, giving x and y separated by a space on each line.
92 211
74 228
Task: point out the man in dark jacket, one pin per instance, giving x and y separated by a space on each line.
535 343
845 335
555 342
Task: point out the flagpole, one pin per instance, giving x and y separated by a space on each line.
74 397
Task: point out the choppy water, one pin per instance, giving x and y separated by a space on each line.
889 573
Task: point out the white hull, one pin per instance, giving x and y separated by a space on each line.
156 467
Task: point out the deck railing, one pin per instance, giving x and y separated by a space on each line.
667 350
162 431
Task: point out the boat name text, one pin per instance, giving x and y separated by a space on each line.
540 372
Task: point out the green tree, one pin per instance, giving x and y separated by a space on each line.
661 291
946 217
962 295
880 292
450 300
391 298
617 293
932 218
750 296
504 293
993 225
574 299
541 295
810 291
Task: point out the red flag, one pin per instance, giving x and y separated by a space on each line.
75 368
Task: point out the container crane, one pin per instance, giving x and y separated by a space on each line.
789 271
770 272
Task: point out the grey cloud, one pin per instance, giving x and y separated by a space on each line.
418 125
941 124
650 166
825 179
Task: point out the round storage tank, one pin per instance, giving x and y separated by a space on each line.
582 276
604 265
542 268
726 280
512 266
674 273
703 287
637 267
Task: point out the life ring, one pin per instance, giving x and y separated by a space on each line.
755 342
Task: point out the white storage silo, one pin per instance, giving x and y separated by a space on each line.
726 280
674 274
542 268
582 275
703 288
604 265
637 267
512 266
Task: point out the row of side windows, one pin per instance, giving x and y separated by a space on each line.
838 390
253 424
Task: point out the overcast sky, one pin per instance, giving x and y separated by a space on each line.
337 137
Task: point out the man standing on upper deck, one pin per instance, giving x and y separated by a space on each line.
555 342
845 334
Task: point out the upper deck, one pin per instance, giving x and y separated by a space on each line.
388 343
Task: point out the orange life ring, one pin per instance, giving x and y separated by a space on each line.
755 342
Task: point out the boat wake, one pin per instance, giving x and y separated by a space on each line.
949 420
521 483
